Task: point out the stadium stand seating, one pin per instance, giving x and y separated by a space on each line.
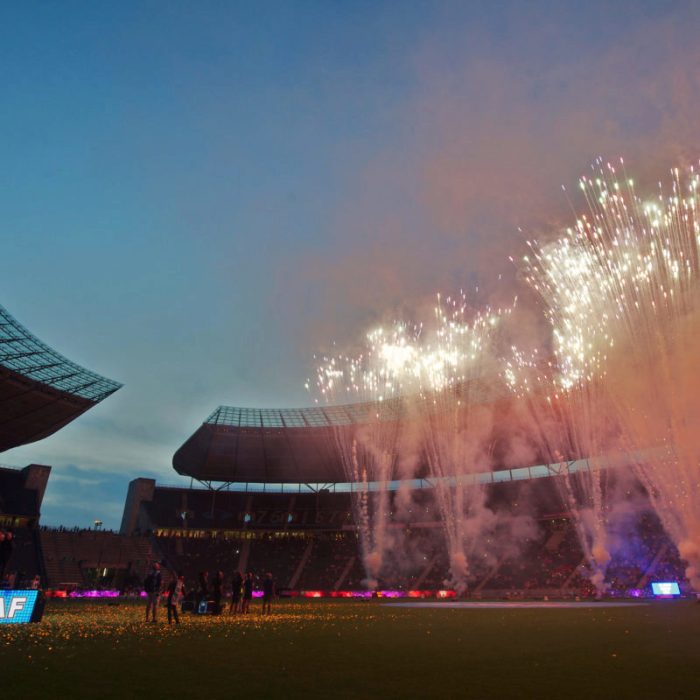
308 542
93 559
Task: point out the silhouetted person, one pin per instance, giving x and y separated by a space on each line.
203 589
6 546
152 586
268 592
176 592
247 592
218 587
236 585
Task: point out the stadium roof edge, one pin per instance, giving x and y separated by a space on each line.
24 354
476 390
309 417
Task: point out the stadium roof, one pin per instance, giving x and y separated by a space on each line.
24 354
287 445
40 390
474 391
272 445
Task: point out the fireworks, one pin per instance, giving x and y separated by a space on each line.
412 359
621 292
432 372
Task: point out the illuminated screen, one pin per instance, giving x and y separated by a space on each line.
665 588
17 606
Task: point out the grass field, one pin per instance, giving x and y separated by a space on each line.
317 649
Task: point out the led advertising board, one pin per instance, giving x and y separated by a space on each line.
665 588
17 607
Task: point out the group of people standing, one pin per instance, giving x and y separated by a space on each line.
207 597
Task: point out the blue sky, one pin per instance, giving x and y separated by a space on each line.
196 197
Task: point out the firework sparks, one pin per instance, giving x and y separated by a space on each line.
431 373
409 359
622 293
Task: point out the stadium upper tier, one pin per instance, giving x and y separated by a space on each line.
40 390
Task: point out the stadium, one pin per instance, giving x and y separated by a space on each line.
271 495
350 350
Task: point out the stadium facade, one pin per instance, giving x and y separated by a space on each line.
282 469
273 493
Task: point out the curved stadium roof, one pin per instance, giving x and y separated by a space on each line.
40 390
272 444
284 445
